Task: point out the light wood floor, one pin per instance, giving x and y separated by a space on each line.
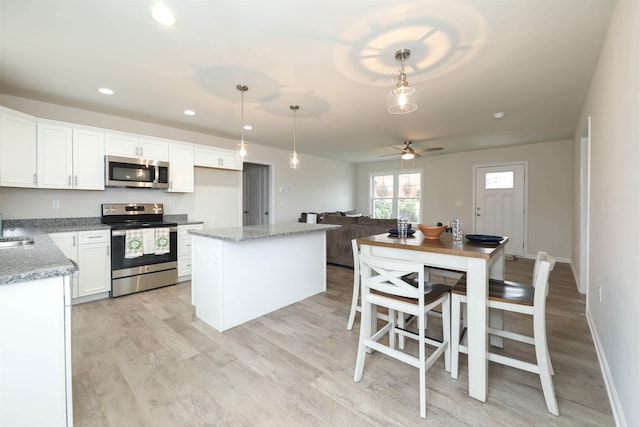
146 360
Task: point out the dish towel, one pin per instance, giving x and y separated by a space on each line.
149 241
162 241
133 244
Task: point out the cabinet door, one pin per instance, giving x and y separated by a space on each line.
121 144
88 159
181 168
207 157
68 244
154 149
55 156
17 150
94 261
229 159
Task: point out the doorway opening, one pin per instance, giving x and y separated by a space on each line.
256 200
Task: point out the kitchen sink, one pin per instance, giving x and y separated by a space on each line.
12 242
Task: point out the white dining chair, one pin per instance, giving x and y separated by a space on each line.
518 298
442 274
384 284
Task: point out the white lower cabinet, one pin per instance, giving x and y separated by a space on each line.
91 250
184 250
35 353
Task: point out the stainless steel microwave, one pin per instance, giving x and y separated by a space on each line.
136 173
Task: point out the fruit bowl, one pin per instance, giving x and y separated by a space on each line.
432 231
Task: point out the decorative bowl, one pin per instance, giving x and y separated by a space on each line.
432 231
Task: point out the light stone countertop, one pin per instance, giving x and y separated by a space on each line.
44 259
255 232
40 260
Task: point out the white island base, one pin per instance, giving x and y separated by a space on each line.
238 279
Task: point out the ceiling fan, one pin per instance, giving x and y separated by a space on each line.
408 152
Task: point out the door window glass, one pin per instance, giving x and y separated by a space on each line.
498 180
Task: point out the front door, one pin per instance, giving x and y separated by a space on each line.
500 204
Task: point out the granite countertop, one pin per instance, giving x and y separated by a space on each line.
40 260
255 232
44 259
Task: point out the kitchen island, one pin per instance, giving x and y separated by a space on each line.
241 273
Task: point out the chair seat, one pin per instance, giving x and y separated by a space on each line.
432 291
501 290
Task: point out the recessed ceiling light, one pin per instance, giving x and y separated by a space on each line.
248 127
499 115
163 15
190 112
105 91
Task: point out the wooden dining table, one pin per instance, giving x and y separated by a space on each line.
480 261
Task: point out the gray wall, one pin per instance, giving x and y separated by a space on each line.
613 104
448 189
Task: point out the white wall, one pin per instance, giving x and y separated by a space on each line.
320 185
613 104
448 180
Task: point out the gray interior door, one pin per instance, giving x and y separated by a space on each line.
255 194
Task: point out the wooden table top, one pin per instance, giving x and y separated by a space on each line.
443 245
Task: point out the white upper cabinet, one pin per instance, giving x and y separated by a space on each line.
181 168
212 157
18 135
55 155
69 158
88 159
154 149
137 146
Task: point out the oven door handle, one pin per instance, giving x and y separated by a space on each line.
124 232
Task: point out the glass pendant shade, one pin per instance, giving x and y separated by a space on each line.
241 148
294 160
407 156
402 100
294 157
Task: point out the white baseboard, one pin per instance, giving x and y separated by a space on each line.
614 401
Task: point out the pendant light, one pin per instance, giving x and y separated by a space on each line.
294 157
404 98
242 145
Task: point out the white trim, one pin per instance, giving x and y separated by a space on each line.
614 400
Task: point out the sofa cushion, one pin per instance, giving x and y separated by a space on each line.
365 220
337 219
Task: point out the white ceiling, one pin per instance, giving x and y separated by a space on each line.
532 59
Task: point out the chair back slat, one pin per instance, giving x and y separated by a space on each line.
386 275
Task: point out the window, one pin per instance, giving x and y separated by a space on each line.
498 180
396 194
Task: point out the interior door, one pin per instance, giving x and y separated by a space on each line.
255 194
500 204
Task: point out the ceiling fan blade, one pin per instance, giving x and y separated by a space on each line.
392 154
425 150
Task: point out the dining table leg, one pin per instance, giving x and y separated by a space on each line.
477 312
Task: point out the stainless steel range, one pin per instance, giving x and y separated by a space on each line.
144 247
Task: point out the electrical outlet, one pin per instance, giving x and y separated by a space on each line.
55 204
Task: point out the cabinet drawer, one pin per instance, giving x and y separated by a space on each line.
184 245
184 266
96 236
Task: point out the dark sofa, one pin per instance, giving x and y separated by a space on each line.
353 227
